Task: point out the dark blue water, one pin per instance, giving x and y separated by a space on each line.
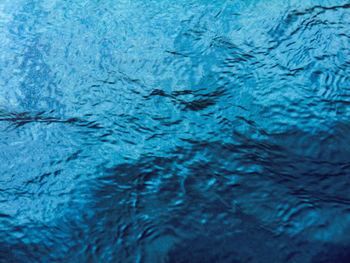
174 131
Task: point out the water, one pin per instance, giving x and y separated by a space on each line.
174 131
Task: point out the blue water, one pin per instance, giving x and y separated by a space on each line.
174 131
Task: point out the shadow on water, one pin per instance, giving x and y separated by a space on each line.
204 207
208 204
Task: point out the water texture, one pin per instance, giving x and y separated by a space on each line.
174 131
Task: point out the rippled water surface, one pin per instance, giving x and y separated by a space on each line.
174 131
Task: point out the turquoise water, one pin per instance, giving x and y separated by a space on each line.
174 131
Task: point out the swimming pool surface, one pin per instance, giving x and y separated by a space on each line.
174 131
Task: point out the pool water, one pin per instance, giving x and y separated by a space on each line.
174 131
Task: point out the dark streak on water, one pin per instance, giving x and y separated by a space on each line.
174 131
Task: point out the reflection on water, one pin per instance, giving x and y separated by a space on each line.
174 131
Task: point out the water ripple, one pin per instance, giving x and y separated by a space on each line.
174 131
